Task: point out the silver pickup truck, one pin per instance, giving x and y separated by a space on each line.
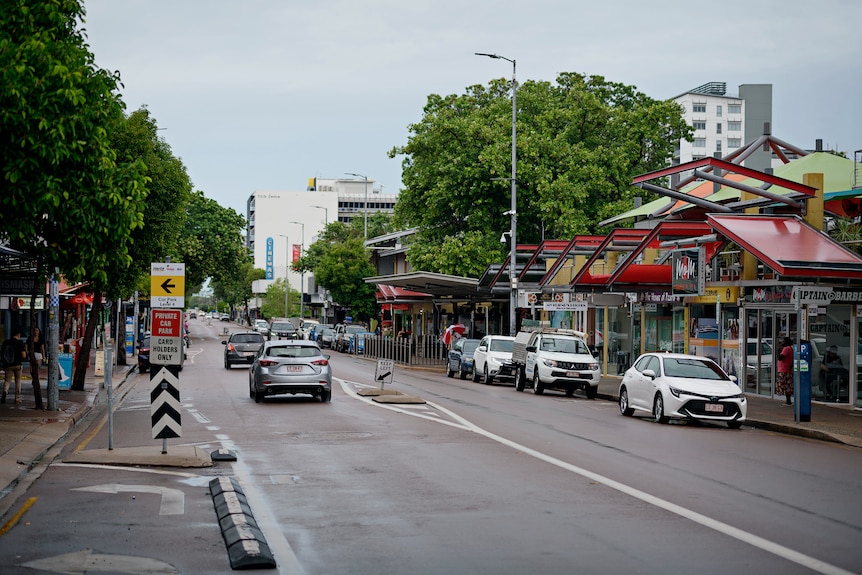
551 358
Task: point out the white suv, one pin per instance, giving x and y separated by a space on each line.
560 360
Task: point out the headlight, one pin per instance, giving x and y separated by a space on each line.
550 362
676 392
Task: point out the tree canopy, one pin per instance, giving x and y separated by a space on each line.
579 143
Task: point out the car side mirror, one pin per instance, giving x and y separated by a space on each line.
649 373
482 348
224 342
531 348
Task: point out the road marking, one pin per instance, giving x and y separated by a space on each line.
173 500
734 532
86 561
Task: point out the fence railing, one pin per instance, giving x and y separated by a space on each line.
423 350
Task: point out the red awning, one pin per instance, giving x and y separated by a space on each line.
789 246
391 294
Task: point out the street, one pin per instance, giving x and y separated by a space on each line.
480 479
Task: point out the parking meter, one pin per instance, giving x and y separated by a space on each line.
803 391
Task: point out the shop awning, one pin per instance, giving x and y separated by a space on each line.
789 246
429 285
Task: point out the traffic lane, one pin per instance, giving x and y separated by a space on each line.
801 488
128 516
362 489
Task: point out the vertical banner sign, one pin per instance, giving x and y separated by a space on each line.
686 272
297 253
269 258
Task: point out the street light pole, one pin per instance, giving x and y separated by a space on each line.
325 214
286 267
365 205
301 272
513 212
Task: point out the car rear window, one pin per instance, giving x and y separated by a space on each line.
247 338
293 351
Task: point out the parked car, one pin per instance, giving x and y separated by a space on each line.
678 386
144 355
283 329
356 342
241 347
290 367
493 359
554 358
261 326
307 326
460 357
342 331
224 316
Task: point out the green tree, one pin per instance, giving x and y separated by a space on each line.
341 263
273 301
65 199
235 288
579 141
211 243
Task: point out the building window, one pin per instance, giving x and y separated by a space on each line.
718 110
699 143
734 126
734 108
699 125
718 128
718 146
734 142
699 108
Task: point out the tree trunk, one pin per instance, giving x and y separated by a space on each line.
84 351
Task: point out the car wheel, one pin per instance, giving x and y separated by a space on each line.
487 379
735 424
592 391
326 396
624 403
520 376
462 374
226 364
570 392
658 409
538 388
476 374
258 396
251 392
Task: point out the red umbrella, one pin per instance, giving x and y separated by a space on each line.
452 329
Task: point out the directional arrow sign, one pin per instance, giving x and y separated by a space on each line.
165 402
168 285
173 500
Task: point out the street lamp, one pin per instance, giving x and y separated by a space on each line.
325 214
301 272
513 212
365 206
286 267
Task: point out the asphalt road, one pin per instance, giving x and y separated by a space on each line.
480 479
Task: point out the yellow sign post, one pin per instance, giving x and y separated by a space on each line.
167 285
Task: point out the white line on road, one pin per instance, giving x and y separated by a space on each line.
739 534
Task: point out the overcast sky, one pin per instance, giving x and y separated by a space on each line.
263 94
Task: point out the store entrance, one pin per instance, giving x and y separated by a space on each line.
764 330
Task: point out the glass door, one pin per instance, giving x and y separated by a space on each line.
759 357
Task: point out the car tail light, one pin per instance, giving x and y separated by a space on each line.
320 362
267 362
230 347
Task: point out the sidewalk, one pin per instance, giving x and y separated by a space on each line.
26 434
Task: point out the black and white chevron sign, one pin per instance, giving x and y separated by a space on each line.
165 402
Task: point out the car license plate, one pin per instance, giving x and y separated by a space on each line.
573 374
714 407
248 353
293 368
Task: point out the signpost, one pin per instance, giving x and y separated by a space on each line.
167 293
383 373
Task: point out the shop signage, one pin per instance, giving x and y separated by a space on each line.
565 306
688 272
16 284
728 294
816 295
658 297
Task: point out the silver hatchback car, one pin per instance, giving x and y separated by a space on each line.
290 367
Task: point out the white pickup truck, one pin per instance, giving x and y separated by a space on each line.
551 358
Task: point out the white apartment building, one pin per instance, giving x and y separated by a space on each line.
724 122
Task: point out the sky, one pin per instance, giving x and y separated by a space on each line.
264 94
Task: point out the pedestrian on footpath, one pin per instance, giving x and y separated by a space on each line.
38 346
784 383
12 354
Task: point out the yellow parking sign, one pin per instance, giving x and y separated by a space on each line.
167 284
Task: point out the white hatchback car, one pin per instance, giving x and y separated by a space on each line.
493 359
673 385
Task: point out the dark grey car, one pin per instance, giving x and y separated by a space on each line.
242 347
